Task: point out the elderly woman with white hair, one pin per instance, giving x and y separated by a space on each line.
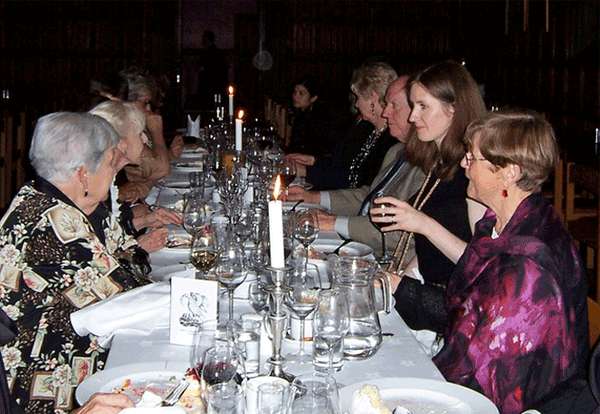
57 257
129 122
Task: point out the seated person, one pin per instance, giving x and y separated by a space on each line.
142 90
516 301
56 259
358 154
349 208
444 99
312 122
129 123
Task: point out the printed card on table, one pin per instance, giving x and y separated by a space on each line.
192 302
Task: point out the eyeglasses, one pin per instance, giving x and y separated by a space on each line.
469 158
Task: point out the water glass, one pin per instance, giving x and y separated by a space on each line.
226 398
313 393
258 297
247 340
271 398
330 323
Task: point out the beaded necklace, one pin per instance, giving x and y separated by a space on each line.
358 161
404 243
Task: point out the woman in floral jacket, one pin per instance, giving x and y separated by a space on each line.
516 301
56 257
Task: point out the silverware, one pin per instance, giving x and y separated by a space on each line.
387 334
175 394
296 205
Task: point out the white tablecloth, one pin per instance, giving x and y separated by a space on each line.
400 355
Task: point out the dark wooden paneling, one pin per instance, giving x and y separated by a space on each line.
555 72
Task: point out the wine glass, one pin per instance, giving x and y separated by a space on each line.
208 333
231 271
205 249
312 393
301 299
258 297
330 322
305 229
222 364
195 213
287 171
385 256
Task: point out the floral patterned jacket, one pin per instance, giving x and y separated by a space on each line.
517 310
52 263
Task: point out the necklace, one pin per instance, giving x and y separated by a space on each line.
358 161
404 242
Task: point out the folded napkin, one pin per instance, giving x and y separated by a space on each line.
193 126
139 310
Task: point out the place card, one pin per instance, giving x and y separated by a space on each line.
192 302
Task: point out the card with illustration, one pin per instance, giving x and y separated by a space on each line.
192 302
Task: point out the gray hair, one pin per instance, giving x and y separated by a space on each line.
64 141
373 77
120 115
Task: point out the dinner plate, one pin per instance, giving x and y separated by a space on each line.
320 249
288 205
421 395
164 273
154 374
187 166
178 184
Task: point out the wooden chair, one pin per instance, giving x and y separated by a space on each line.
593 320
584 226
559 183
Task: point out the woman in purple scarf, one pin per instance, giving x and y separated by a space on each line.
517 316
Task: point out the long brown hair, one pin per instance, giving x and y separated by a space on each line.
452 84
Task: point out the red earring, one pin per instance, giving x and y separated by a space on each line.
504 193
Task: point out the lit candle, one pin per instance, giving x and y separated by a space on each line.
230 90
276 227
238 130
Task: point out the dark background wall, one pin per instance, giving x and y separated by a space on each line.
49 50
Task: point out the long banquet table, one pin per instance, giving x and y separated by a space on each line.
400 355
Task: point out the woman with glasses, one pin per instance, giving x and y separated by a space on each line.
444 99
516 302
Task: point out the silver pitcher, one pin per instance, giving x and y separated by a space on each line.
356 276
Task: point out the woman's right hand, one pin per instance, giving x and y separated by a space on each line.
399 215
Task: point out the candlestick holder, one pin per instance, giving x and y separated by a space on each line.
277 321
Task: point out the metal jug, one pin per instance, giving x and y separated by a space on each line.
356 276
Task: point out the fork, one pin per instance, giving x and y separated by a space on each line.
175 394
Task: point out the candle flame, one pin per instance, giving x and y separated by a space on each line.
277 188
241 114
230 90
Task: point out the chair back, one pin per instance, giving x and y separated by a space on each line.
593 321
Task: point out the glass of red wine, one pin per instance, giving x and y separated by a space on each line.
222 363
385 256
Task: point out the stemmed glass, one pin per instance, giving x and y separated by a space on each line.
231 271
385 256
301 298
222 364
258 297
287 171
305 228
196 213
331 321
205 249
311 393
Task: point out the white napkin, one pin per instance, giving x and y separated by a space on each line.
193 126
139 310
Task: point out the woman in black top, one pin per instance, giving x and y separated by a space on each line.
359 153
444 100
